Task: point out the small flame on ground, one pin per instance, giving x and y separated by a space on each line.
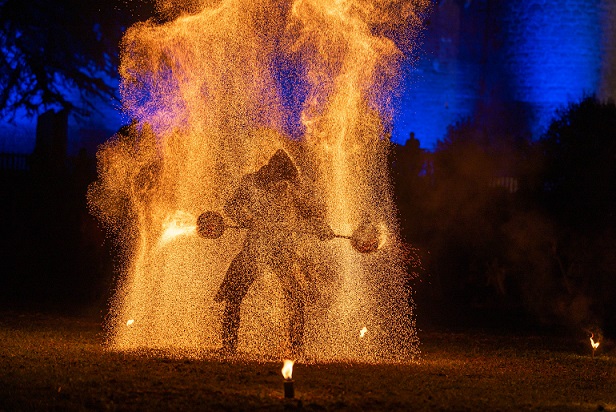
594 344
130 322
287 369
363 331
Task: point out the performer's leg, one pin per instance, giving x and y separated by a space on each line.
240 275
296 325
288 273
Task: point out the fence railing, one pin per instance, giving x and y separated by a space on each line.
510 184
14 162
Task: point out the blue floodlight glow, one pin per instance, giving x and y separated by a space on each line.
549 54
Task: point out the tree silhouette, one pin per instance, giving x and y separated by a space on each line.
579 173
52 51
49 47
579 192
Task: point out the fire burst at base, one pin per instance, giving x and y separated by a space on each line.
215 96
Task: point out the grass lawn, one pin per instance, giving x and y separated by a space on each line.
59 363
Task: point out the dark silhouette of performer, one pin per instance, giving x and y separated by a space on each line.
269 204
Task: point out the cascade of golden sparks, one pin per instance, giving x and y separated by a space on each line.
208 104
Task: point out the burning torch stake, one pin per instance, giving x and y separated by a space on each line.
287 374
594 344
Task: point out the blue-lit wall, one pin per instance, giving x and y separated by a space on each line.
523 58
552 53
435 98
607 88
444 85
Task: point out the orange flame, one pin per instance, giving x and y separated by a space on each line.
287 369
594 344
179 224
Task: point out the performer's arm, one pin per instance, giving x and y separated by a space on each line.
313 214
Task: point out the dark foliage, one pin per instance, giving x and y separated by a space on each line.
54 255
450 212
516 230
579 173
579 192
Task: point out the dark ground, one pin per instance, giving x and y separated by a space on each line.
59 363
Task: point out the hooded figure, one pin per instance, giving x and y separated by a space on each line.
269 205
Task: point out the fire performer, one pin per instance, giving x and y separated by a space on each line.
270 204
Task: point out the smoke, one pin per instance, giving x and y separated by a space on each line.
543 278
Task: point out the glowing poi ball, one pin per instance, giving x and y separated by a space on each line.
210 225
366 238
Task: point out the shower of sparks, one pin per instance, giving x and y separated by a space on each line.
382 235
209 93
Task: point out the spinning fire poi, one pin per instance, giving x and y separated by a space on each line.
269 203
271 206
215 95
